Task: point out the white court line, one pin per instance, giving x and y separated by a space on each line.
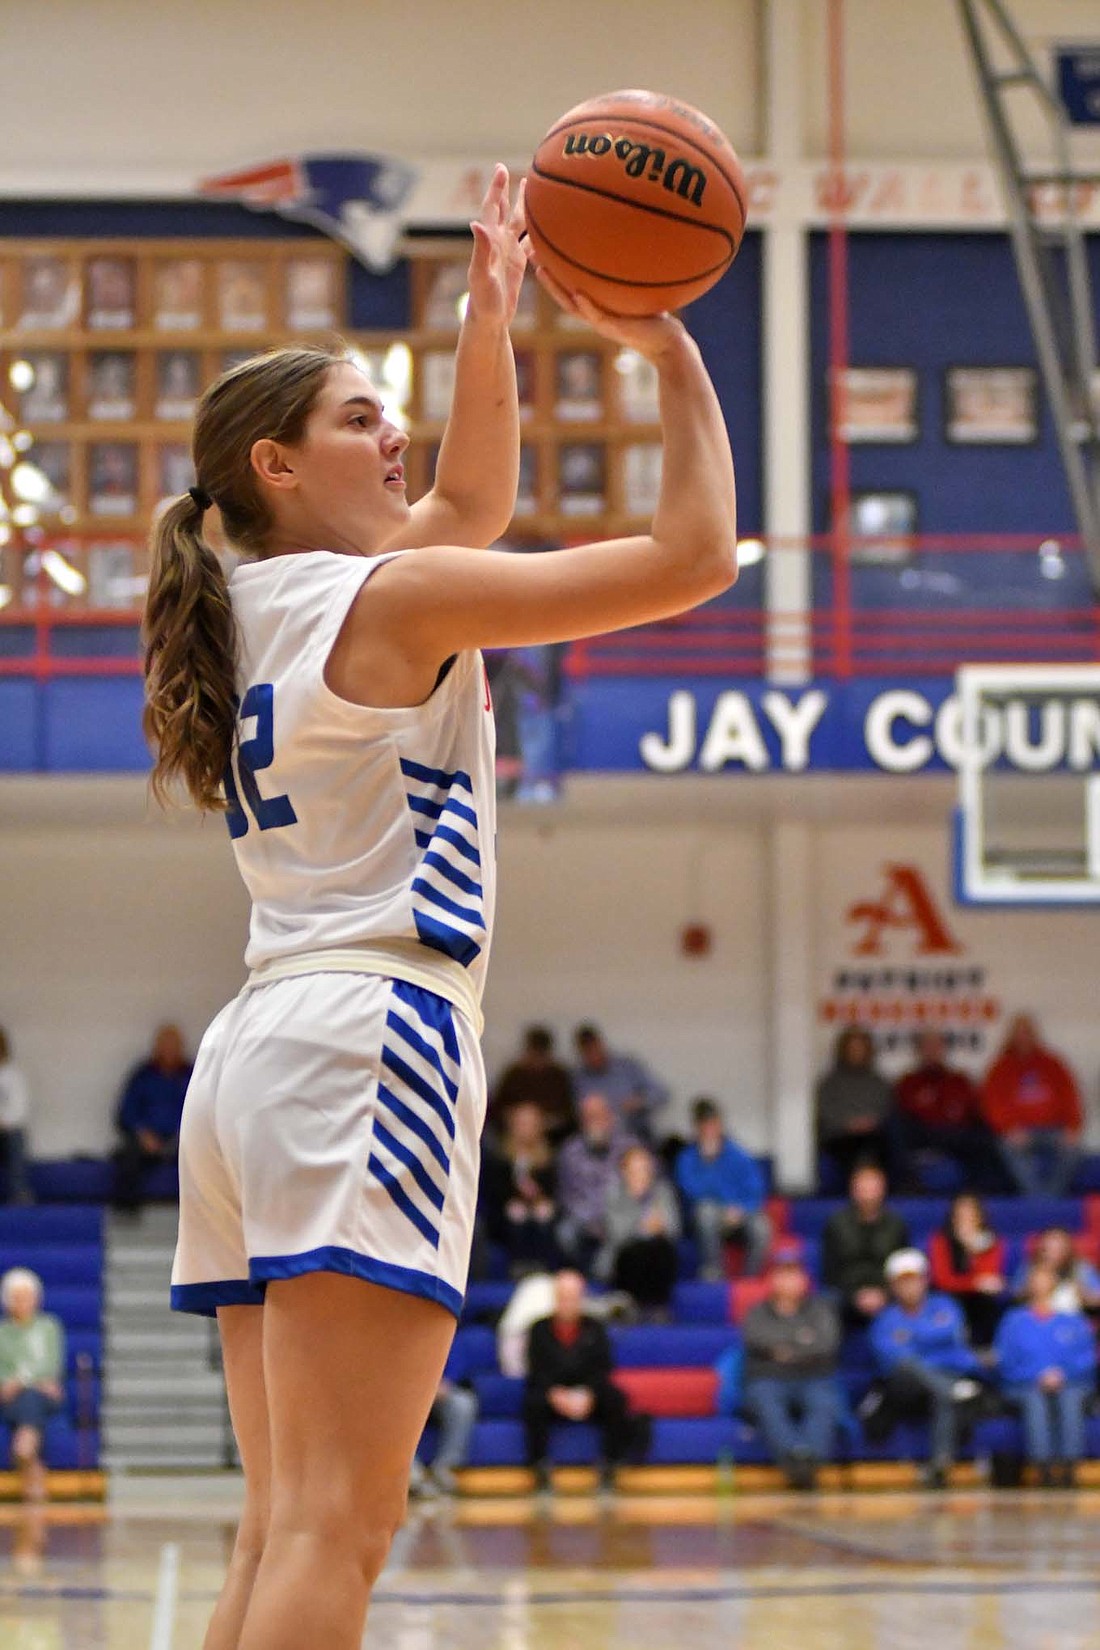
164 1608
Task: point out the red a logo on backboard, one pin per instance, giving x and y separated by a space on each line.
906 905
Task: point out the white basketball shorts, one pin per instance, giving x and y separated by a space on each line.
332 1124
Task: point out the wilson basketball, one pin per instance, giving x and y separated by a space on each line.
636 200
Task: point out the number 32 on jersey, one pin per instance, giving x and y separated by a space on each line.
254 754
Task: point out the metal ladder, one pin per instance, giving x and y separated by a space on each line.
1049 247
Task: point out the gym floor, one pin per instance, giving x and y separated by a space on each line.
965 1571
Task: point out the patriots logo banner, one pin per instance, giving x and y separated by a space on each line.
359 200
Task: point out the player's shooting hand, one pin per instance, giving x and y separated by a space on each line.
653 336
499 261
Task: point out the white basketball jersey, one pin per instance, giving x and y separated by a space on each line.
354 825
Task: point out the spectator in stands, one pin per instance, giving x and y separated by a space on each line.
1077 1282
32 1365
641 1226
940 1110
791 1343
633 1093
536 1075
968 1263
569 1380
14 1105
518 1190
149 1114
855 1106
857 1242
1047 1365
724 1189
921 1348
454 1413
587 1167
1033 1105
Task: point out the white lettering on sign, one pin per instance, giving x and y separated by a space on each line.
902 733
882 726
795 725
674 754
1084 735
734 736
949 733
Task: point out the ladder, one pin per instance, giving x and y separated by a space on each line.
1049 246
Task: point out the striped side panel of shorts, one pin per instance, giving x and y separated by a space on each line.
414 1129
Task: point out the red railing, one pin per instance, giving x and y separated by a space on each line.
864 622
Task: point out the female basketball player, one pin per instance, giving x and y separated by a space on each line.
329 1150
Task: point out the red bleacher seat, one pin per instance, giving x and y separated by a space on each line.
669 1393
779 1213
745 1293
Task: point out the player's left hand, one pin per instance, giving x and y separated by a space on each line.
499 259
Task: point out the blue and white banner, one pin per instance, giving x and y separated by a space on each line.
873 726
1078 74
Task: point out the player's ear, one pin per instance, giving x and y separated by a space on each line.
271 463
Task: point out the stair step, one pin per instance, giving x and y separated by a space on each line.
166 1386
166 1429
137 1460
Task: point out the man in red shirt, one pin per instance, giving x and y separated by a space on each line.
1032 1103
940 1110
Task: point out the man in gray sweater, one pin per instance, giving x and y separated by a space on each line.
792 1341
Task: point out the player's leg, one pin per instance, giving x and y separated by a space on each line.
241 1330
351 1371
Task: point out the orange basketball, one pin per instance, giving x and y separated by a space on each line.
636 200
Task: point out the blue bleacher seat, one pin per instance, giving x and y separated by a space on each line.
671 1346
1020 1216
500 1397
487 1299
55 1263
45 1224
72 1180
79 1306
474 1352
701 1302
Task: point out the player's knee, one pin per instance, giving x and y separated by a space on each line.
360 1530
375 1543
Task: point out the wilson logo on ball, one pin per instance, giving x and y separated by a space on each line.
641 160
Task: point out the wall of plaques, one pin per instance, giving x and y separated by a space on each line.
591 454
106 346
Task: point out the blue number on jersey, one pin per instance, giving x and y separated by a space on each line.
253 755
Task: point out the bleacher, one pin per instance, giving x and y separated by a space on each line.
669 1371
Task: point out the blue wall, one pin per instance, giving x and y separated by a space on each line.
931 302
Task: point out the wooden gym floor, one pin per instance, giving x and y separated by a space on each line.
893 1571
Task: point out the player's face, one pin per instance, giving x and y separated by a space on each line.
349 464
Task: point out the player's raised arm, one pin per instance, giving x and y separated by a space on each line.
474 494
440 601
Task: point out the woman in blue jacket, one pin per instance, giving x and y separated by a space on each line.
1047 1365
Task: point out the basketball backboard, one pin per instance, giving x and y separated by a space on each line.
1027 825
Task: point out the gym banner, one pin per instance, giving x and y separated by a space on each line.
873 726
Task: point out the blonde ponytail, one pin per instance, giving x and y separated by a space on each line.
189 641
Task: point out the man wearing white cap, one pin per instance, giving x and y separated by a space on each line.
921 1348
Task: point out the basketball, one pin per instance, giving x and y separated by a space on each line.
637 201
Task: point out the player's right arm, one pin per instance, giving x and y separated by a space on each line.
429 604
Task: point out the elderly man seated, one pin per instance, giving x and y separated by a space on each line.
569 1379
32 1364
